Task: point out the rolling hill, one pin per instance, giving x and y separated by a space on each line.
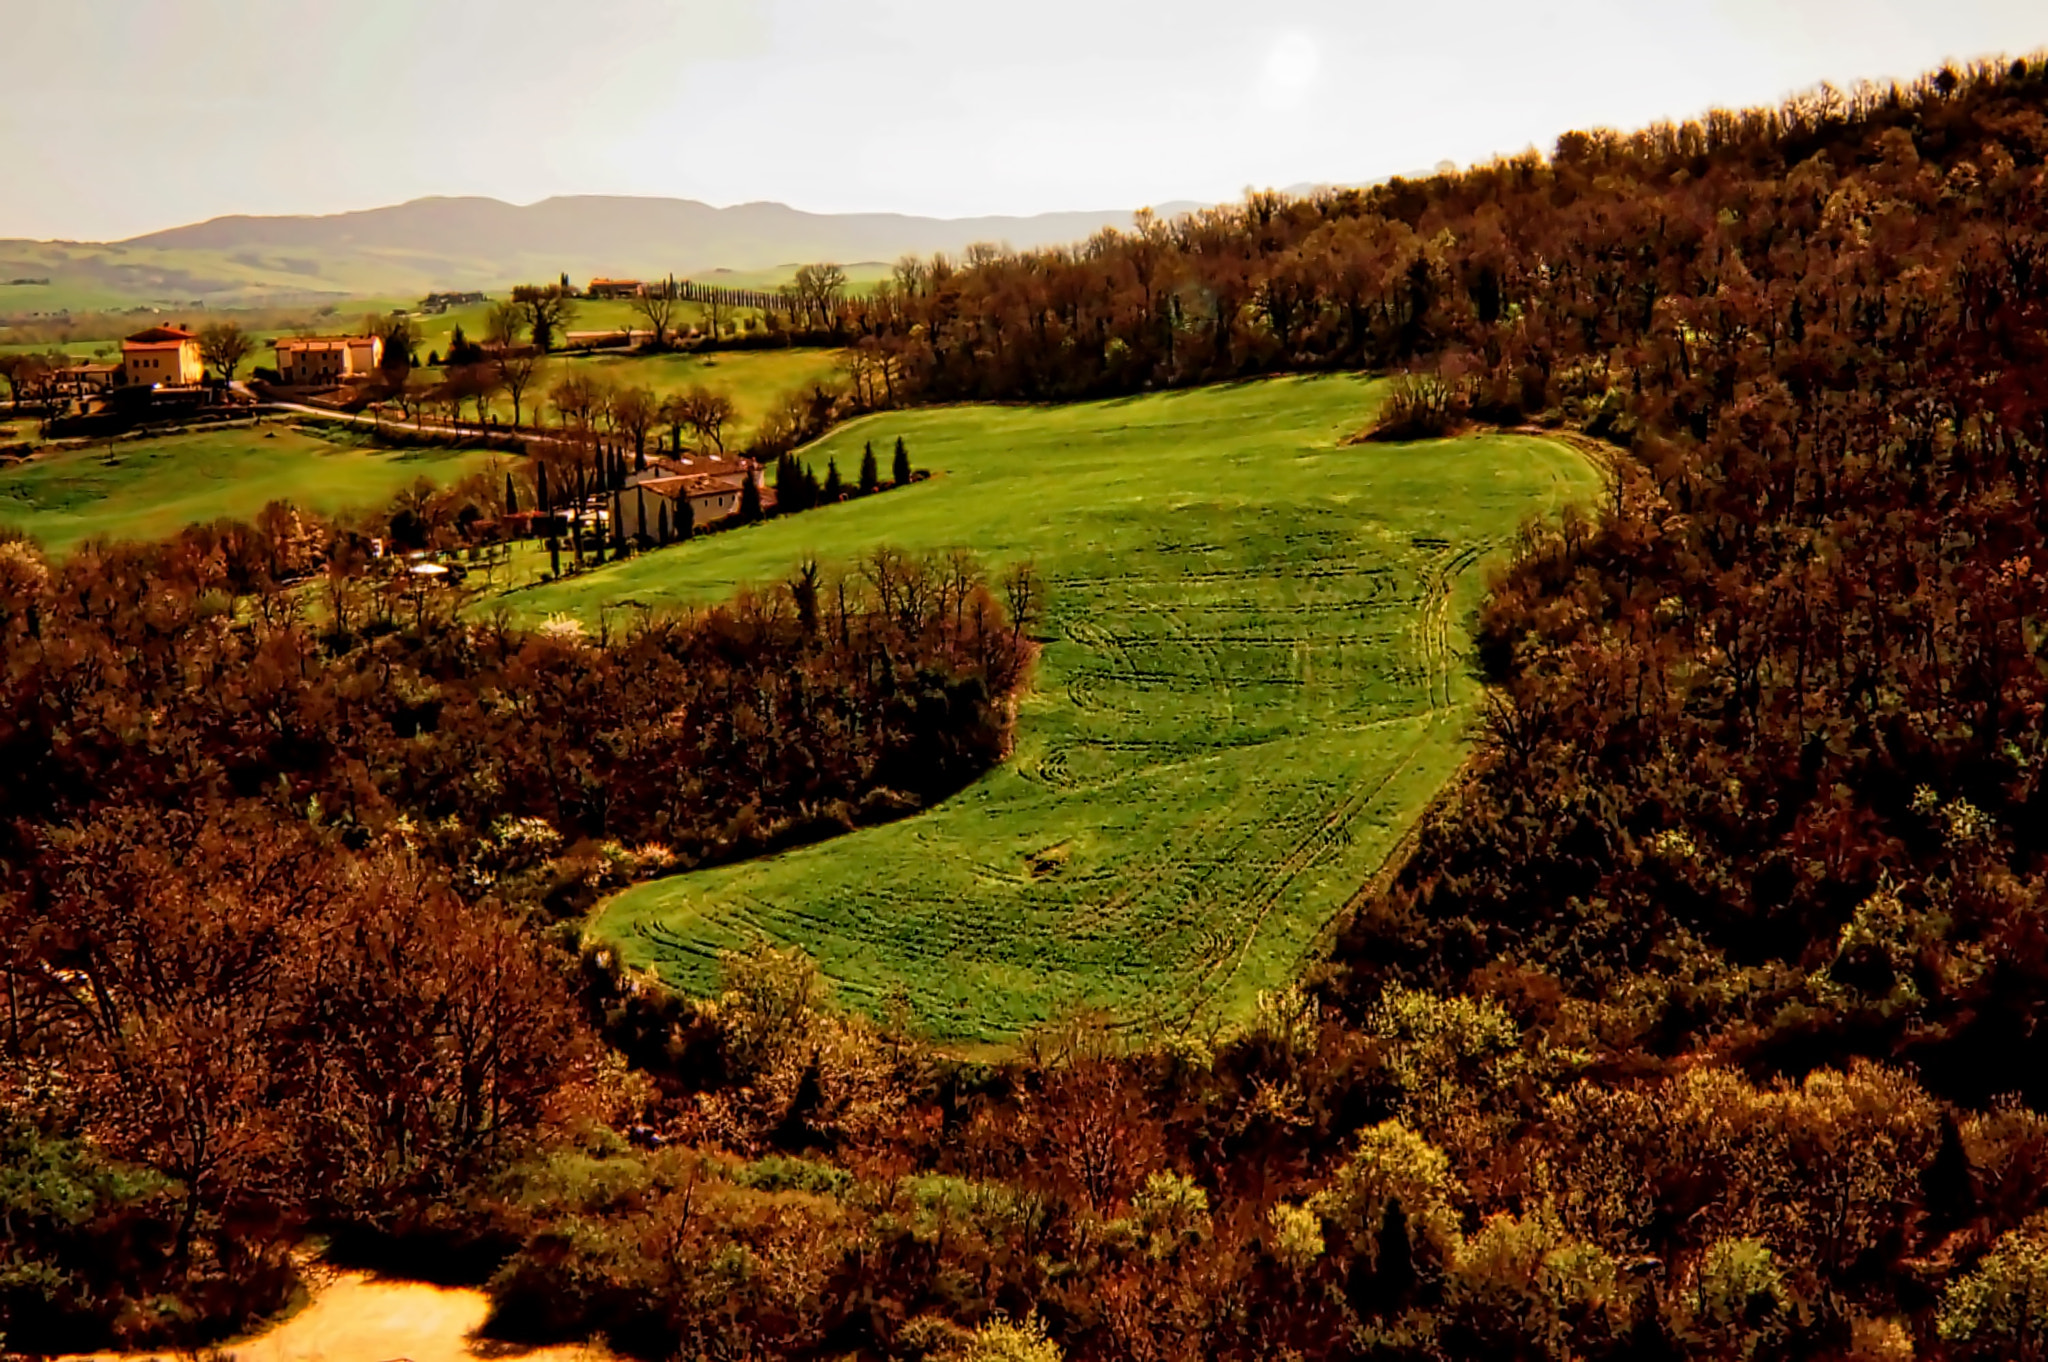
1253 681
472 243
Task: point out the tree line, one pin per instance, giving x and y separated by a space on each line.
278 859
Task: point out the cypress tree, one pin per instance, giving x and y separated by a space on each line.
686 517
814 494
542 491
661 524
750 500
511 495
870 477
640 530
833 487
901 471
554 555
1949 1183
786 494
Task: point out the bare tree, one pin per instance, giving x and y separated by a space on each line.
634 412
518 368
816 291
224 345
517 371
504 325
476 383
547 311
576 400
656 306
707 413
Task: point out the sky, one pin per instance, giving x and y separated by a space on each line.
126 116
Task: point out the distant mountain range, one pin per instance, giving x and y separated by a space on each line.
478 243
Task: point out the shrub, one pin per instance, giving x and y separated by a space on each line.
1393 1164
1419 407
1999 1309
1000 1340
1171 1210
1295 1236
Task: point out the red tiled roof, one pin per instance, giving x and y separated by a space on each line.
699 485
160 335
320 342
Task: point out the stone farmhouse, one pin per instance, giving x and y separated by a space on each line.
711 486
161 357
315 361
615 288
437 303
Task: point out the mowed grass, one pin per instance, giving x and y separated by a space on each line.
147 489
1253 680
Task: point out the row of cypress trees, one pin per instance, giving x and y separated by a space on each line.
798 487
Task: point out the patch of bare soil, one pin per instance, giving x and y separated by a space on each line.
359 1318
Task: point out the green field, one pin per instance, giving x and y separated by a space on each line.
1252 682
147 489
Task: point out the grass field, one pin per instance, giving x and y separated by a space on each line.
146 489
1251 684
755 379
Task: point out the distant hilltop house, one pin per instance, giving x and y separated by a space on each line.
166 356
615 288
308 361
437 303
712 487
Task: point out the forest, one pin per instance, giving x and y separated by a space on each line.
1702 1020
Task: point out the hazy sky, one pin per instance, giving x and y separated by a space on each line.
123 116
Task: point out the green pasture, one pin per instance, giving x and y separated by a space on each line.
147 489
756 380
1252 681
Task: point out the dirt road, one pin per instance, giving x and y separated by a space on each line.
357 1318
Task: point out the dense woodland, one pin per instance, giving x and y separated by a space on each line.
1703 1020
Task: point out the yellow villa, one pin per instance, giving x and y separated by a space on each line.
163 356
308 361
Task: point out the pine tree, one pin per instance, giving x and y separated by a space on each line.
750 499
833 487
640 459
870 476
900 472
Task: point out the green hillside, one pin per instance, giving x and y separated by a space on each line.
1251 685
146 489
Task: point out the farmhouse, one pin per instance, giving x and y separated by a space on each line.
691 466
436 303
637 510
313 360
615 288
81 380
163 356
